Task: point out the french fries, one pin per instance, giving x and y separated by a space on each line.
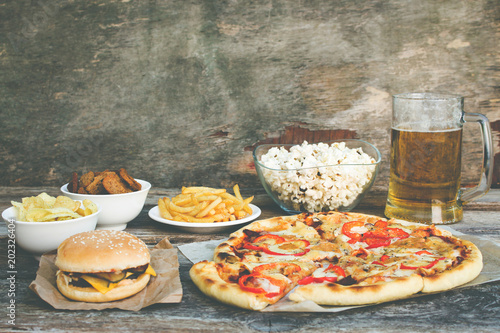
201 204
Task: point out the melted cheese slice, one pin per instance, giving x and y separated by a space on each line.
103 286
150 271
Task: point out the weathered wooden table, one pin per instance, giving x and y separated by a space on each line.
469 309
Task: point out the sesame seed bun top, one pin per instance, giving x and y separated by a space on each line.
101 251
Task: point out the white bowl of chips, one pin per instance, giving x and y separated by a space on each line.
45 236
117 209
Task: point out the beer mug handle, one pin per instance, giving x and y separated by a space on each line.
487 169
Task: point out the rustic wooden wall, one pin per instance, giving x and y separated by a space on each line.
179 92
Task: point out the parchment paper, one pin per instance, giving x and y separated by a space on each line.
197 252
164 288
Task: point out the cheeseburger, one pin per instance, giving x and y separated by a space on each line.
102 266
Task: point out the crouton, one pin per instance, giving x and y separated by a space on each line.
96 186
87 179
73 184
114 184
132 183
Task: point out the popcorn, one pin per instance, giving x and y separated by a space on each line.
317 177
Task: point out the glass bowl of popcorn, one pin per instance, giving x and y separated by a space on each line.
317 177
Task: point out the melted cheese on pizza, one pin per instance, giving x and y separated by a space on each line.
299 231
266 285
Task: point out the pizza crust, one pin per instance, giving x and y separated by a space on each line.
336 294
205 276
467 271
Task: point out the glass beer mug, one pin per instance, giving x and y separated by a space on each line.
426 147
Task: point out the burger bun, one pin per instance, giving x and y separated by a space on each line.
101 251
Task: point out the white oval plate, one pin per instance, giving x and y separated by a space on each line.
204 228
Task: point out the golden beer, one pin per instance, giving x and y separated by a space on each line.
425 175
426 145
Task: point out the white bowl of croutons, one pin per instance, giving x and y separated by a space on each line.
116 209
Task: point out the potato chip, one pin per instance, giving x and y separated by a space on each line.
62 201
21 212
63 214
36 214
33 202
90 207
49 201
46 208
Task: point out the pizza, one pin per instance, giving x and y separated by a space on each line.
334 258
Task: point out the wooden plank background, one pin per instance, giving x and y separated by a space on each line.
179 92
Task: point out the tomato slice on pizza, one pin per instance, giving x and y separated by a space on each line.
250 286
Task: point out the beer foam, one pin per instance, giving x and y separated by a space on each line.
426 127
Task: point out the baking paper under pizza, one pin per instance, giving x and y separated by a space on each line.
334 258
